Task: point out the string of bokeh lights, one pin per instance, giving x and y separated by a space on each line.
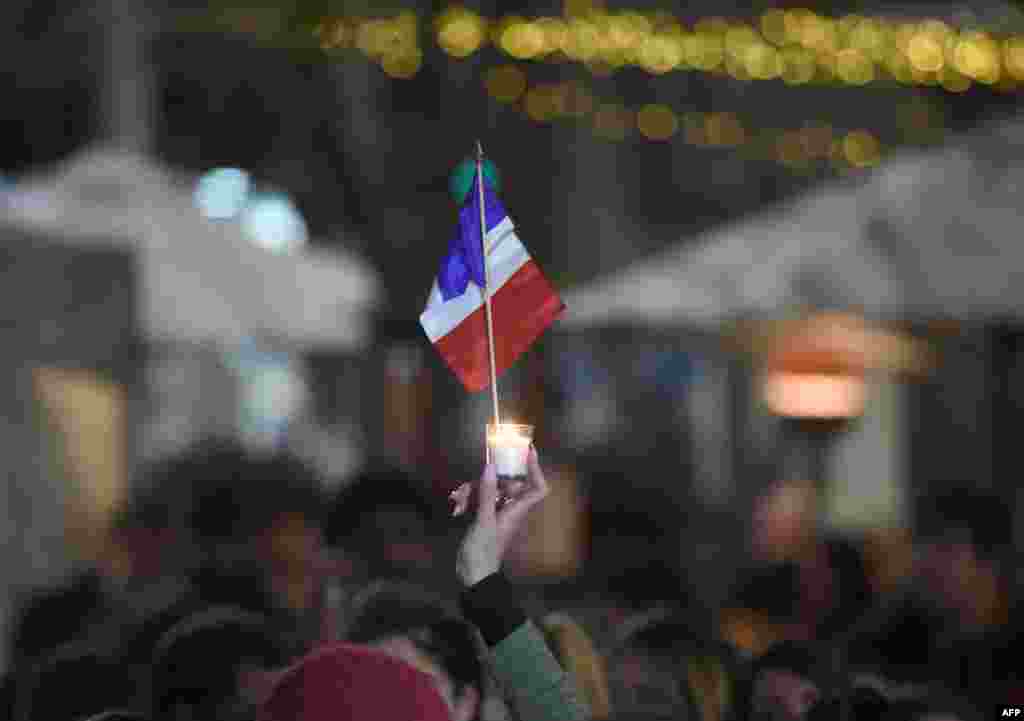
795 148
796 46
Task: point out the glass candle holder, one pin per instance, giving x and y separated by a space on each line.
508 448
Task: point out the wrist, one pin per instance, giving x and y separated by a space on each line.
472 574
492 605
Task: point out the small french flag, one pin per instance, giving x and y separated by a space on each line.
523 301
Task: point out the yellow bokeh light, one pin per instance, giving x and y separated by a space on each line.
1013 57
706 51
403 66
660 54
977 56
737 39
861 149
819 33
723 129
846 25
657 122
663 21
736 68
773 27
923 77
582 40
335 35
854 67
626 32
925 52
869 37
460 32
369 37
790 150
825 67
581 8
506 83
712 26
612 122
556 33
541 103
793 24
394 42
797 45
954 81
523 40
899 67
763 61
798 66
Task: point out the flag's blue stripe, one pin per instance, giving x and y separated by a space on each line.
465 261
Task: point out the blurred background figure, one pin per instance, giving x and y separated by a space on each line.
665 665
389 523
808 585
253 508
577 653
419 628
954 625
75 681
786 683
215 665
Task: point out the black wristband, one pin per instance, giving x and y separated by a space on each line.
492 605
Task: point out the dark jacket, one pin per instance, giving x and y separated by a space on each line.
540 690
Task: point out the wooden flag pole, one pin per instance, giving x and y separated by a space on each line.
487 282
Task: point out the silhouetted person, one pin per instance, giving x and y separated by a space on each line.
953 627
390 521
77 680
411 624
807 585
208 667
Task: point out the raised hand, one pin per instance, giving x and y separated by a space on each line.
499 518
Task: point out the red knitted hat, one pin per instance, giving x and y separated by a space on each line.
346 682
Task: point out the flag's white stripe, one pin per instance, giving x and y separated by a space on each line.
505 256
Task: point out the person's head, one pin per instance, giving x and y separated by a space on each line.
576 653
225 493
80 679
410 624
204 667
785 519
785 682
666 664
49 618
142 539
390 519
966 536
270 505
348 682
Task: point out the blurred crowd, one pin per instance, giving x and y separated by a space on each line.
233 587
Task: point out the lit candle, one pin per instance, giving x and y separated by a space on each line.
509 447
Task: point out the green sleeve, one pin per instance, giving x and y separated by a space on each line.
540 690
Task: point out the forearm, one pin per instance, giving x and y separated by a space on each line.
541 690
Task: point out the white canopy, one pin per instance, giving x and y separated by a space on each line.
810 252
929 235
949 221
202 279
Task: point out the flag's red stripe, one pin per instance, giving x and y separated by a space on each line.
523 307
